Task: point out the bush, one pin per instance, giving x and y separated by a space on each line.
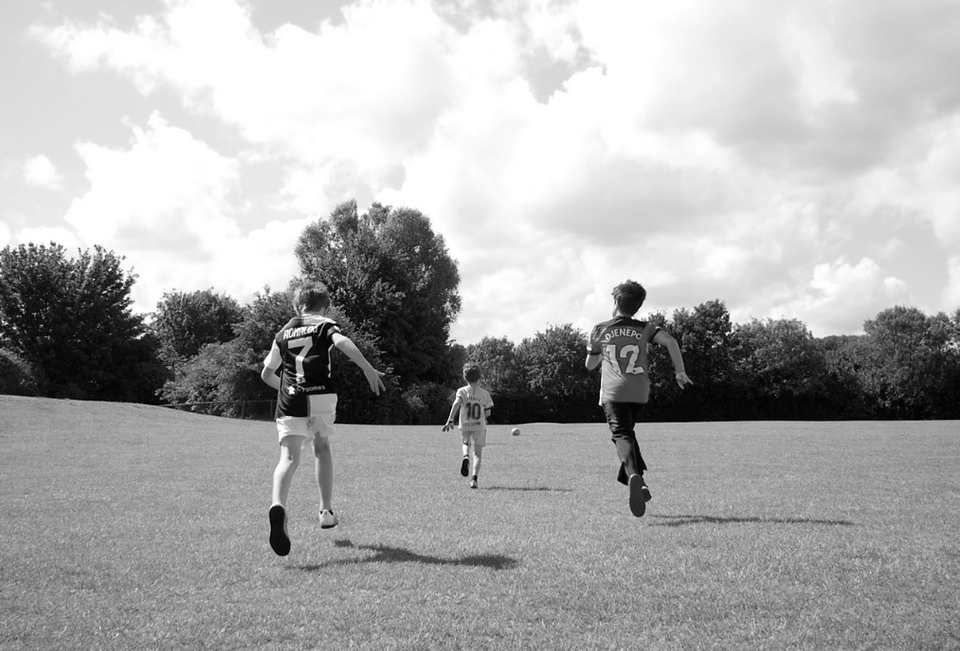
17 376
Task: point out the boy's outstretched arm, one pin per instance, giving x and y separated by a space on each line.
453 412
665 339
374 377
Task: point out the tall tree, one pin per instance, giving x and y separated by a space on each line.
781 367
186 321
393 277
503 376
912 360
71 319
229 372
552 363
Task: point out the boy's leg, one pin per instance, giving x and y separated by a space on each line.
479 441
323 408
477 458
621 418
465 462
290 448
324 468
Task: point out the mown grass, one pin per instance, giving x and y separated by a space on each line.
134 527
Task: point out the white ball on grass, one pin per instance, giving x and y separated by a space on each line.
515 431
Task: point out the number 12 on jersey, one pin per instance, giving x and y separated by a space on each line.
630 352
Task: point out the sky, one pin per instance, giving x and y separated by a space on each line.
794 159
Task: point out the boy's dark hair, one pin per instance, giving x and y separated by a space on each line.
629 296
311 296
471 372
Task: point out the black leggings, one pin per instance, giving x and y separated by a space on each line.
622 418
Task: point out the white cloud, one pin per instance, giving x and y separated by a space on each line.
950 298
840 296
167 192
40 171
707 151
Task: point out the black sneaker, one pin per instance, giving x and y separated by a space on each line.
465 466
638 502
279 540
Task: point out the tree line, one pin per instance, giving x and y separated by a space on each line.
67 330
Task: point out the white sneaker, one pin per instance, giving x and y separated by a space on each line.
328 519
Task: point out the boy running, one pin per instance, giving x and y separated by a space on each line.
298 367
621 345
474 405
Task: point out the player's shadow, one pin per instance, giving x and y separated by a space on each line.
535 489
388 554
681 520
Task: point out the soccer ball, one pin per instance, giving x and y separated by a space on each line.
515 431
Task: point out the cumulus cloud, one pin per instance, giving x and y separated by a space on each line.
166 202
744 151
950 301
839 291
40 171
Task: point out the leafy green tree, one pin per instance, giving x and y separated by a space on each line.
71 318
845 359
230 371
552 368
393 277
504 378
704 335
17 377
782 368
186 321
912 360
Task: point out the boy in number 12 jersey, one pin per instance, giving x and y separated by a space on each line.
619 347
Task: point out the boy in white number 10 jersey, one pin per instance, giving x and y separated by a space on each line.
474 405
620 344
298 367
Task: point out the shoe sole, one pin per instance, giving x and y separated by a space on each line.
279 540
638 505
465 467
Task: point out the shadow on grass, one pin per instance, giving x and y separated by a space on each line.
546 489
387 554
680 520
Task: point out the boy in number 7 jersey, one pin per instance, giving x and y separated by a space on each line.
298 368
620 345
474 405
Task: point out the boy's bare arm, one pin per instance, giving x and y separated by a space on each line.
665 339
592 361
453 411
269 375
374 377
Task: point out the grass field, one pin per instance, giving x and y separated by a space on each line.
135 527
